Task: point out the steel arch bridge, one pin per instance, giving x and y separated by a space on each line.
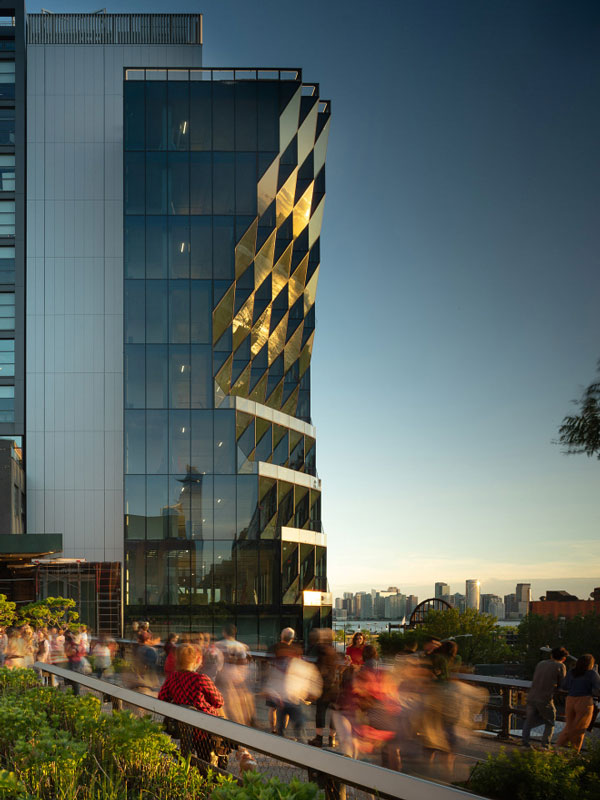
420 612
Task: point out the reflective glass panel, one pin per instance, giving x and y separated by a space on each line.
134 312
179 376
201 116
179 312
134 115
245 116
134 376
179 441
201 316
245 183
135 442
135 183
157 383
202 382
247 507
134 247
223 183
223 116
179 183
157 501
156 115
201 247
200 183
156 442
156 247
224 506
202 441
224 572
223 248
179 247
156 312
156 183
135 507
224 422
178 119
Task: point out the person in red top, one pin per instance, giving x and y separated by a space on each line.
170 649
354 651
185 687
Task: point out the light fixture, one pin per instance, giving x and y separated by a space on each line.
184 126
182 247
183 430
183 367
220 444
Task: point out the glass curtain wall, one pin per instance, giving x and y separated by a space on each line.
201 527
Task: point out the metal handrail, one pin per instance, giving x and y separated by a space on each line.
368 777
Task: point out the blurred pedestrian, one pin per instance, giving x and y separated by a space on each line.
540 710
75 653
582 684
170 647
232 679
354 651
301 683
326 662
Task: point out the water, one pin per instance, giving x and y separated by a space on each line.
381 625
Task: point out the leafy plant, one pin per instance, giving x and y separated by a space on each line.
256 787
7 611
53 611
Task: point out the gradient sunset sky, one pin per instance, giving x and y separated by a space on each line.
457 310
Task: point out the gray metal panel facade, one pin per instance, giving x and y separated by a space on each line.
74 367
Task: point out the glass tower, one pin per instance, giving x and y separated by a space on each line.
224 190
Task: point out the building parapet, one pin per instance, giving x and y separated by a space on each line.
114 29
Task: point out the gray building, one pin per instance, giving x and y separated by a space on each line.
73 234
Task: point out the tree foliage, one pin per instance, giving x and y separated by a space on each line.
49 612
579 635
580 433
478 637
7 612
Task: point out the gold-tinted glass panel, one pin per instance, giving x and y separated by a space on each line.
267 187
242 420
223 377
274 401
258 393
292 348
277 339
223 314
289 407
306 354
242 322
278 433
302 210
310 292
263 263
298 280
281 270
320 150
285 198
288 120
245 249
260 332
306 134
262 426
314 226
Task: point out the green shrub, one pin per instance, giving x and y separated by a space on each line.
15 681
257 787
533 775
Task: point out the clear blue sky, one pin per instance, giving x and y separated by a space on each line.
457 310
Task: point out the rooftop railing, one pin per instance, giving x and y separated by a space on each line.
114 28
275 755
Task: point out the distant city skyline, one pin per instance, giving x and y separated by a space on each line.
582 587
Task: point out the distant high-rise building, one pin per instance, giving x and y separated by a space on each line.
395 606
496 608
472 593
490 604
457 601
412 601
523 593
442 590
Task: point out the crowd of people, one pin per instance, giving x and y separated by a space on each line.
409 714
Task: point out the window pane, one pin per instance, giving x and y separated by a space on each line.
157 502
223 248
179 508
224 422
245 183
7 126
201 247
268 119
179 247
247 507
201 183
7 358
156 115
201 377
224 572
156 183
156 247
202 441
135 376
156 442
224 506
7 403
245 116
157 384
223 183
179 441
179 183
156 311
179 377
135 443
135 507
134 115
179 312
200 116
200 332
135 183
202 508
223 116
134 311
178 115
135 249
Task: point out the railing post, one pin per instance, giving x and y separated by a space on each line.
507 709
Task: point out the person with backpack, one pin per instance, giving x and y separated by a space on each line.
547 679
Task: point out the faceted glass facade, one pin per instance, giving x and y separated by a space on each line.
223 194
